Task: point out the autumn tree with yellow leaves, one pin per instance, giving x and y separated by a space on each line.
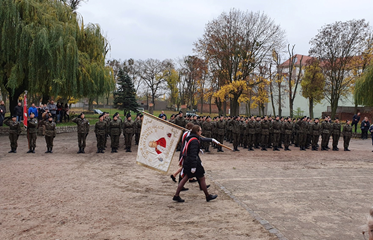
234 45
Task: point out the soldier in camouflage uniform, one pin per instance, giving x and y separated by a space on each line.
325 131
107 120
220 126
234 124
309 133
242 141
276 128
258 132
302 132
128 130
101 131
336 126
296 130
265 133
138 124
347 134
50 133
270 135
251 133
207 132
32 132
115 129
288 131
316 128
83 130
14 132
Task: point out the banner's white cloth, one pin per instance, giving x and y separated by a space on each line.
158 142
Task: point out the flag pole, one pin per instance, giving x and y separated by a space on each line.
177 126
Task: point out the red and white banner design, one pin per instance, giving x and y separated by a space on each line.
157 145
25 109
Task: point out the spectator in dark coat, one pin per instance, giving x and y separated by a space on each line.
355 120
163 115
364 128
371 132
18 111
2 112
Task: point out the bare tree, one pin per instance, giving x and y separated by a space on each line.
335 46
151 72
295 73
236 43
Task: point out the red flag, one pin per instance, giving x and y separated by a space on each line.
25 110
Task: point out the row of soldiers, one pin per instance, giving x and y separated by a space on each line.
267 132
104 128
113 128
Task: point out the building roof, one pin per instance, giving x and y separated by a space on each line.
297 58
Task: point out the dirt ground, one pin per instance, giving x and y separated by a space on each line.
65 195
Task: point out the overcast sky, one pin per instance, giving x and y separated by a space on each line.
161 29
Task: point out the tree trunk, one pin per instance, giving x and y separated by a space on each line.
201 104
334 106
311 107
218 104
210 100
225 108
279 99
90 104
13 98
272 102
291 105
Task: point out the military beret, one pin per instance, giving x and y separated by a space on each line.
316 118
180 111
115 115
14 116
101 115
128 115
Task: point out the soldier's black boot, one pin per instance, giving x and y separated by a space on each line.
50 150
251 149
11 150
14 150
98 150
129 149
83 150
237 149
80 150
47 150
112 150
102 151
29 151
33 150
346 149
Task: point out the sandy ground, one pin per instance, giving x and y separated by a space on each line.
108 196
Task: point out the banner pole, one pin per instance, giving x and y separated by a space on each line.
177 126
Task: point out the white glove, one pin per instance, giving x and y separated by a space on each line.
201 151
215 141
193 170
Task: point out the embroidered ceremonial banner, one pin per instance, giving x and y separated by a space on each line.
157 145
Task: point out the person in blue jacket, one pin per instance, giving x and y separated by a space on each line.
34 110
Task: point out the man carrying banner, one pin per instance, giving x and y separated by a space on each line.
32 131
192 165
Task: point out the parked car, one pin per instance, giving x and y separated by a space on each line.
140 109
97 111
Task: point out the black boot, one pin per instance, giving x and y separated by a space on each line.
47 150
14 150
251 149
11 150
346 149
83 150
98 150
112 150
207 149
33 150
30 151
102 151
80 150
127 149
50 150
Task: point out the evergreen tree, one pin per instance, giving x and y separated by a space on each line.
125 95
